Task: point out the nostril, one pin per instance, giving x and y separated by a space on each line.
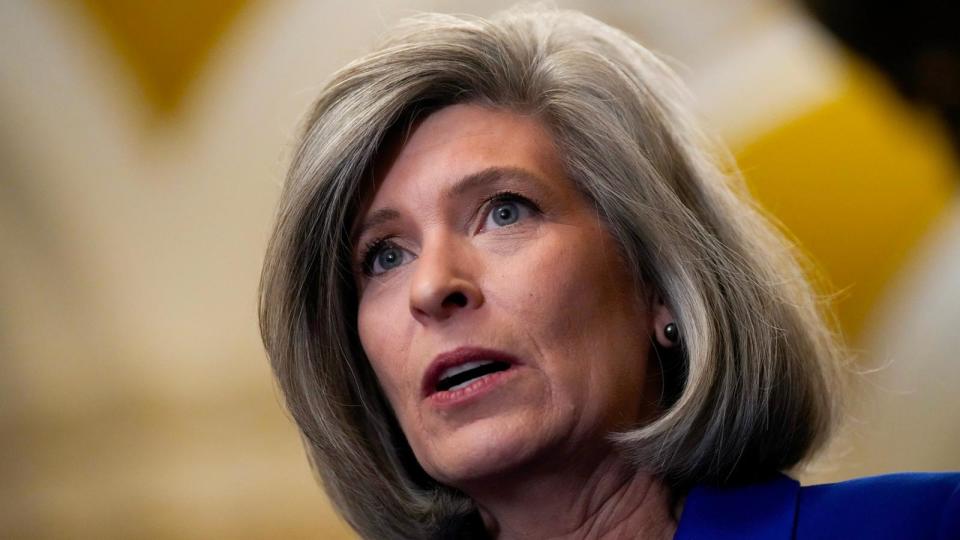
455 299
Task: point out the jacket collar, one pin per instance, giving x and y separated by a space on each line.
762 510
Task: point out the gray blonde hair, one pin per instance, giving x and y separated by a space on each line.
750 392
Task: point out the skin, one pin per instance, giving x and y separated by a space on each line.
548 286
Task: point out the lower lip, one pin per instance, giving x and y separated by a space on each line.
473 391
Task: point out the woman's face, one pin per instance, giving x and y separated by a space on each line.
485 260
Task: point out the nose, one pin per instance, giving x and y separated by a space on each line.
442 285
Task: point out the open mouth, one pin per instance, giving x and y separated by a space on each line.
457 377
465 368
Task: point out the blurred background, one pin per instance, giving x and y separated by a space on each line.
142 146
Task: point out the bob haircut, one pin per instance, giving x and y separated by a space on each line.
751 389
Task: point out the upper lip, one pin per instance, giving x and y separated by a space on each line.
458 356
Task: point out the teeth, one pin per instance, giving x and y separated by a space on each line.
461 385
451 371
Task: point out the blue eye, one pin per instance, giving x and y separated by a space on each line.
389 258
506 210
382 256
505 214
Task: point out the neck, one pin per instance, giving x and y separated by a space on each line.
607 501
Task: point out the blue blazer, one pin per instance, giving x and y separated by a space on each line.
908 505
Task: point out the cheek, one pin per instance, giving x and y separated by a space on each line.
573 289
384 343
580 310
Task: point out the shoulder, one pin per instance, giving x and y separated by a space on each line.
908 505
914 505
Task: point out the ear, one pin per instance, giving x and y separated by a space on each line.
661 316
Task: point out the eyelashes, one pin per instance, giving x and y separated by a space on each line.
372 249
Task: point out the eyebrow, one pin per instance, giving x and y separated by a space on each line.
464 185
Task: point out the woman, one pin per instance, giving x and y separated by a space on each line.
510 295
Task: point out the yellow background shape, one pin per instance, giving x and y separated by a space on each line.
165 43
858 181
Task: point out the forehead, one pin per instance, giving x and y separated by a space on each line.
462 134
455 142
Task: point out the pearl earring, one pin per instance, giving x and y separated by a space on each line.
672 333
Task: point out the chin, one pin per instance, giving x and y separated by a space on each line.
482 450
